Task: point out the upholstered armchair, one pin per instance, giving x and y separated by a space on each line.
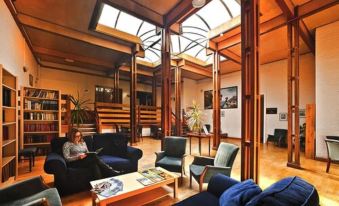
203 168
173 156
332 151
279 138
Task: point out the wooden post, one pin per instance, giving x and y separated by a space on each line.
216 100
293 136
166 112
116 85
178 126
250 128
133 94
154 90
310 130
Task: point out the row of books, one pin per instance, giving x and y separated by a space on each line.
41 105
6 97
8 171
46 127
38 138
40 116
40 93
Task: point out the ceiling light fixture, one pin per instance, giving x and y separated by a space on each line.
198 3
69 60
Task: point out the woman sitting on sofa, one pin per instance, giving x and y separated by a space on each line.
76 154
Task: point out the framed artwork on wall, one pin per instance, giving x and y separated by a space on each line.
228 98
283 116
302 113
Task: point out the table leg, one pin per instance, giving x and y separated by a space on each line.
200 146
190 144
175 187
209 146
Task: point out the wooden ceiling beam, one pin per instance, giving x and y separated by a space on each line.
139 71
180 12
118 34
315 6
70 33
77 58
231 56
289 10
197 69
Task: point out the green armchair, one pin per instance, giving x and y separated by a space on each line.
203 168
332 151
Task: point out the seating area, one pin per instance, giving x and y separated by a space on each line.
176 102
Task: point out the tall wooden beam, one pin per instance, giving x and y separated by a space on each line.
216 100
166 112
177 74
250 117
133 96
154 90
116 85
293 139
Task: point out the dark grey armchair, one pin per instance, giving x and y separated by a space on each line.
203 168
173 156
28 193
332 151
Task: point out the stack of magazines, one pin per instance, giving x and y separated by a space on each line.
108 188
153 175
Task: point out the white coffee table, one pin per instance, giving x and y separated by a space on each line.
135 193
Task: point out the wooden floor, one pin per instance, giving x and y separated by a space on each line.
272 168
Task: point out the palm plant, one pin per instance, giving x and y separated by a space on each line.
79 113
194 118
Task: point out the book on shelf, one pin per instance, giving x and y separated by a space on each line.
45 127
41 93
6 97
40 116
29 139
41 105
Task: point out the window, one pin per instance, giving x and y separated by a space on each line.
106 94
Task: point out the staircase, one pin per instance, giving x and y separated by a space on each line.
87 129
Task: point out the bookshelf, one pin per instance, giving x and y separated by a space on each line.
40 117
9 128
65 113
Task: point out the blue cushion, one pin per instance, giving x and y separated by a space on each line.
291 191
239 194
117 163
201 199
112 143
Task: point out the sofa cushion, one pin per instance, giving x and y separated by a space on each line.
112 143
201 199
291 191
239 194
57 144
50 194
117 163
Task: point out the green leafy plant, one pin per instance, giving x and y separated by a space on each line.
79 113
195 118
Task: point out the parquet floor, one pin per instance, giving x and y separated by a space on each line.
272 168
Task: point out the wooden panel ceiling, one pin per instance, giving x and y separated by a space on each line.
268 10
160 7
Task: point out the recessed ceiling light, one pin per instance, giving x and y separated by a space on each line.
198 3
69 60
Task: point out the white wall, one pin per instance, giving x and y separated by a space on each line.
14 52
327 85
273 85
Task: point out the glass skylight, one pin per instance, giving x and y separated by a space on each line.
193 40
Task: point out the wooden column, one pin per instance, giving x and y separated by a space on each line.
216 100
116 97
177 82
133 96
166 111
293 138
250 116
154 90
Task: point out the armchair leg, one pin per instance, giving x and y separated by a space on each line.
200 186
328 165
190 179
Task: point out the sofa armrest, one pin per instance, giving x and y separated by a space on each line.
134 153
22 189
55 164
159 155
203 161
219 183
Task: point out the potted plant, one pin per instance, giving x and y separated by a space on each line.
79 113
195 118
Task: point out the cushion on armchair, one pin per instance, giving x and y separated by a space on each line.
239 194
114 144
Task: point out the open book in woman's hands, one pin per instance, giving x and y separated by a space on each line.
96 151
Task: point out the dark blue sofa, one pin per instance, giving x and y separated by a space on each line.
115 153
291 191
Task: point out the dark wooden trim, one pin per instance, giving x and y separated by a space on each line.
178 125
133 97
216 100
250 114
154 90
96 15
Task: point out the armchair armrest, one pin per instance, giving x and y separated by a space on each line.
219 183
203 161
41 201
159 155
22 189
55 164
213 170
134 153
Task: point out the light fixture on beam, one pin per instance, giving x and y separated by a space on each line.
69 60
198 3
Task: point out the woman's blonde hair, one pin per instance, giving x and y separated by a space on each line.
73 133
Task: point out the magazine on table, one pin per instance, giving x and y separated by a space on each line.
108 187
152 175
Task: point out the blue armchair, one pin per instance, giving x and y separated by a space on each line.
115 153
29 192
286 192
